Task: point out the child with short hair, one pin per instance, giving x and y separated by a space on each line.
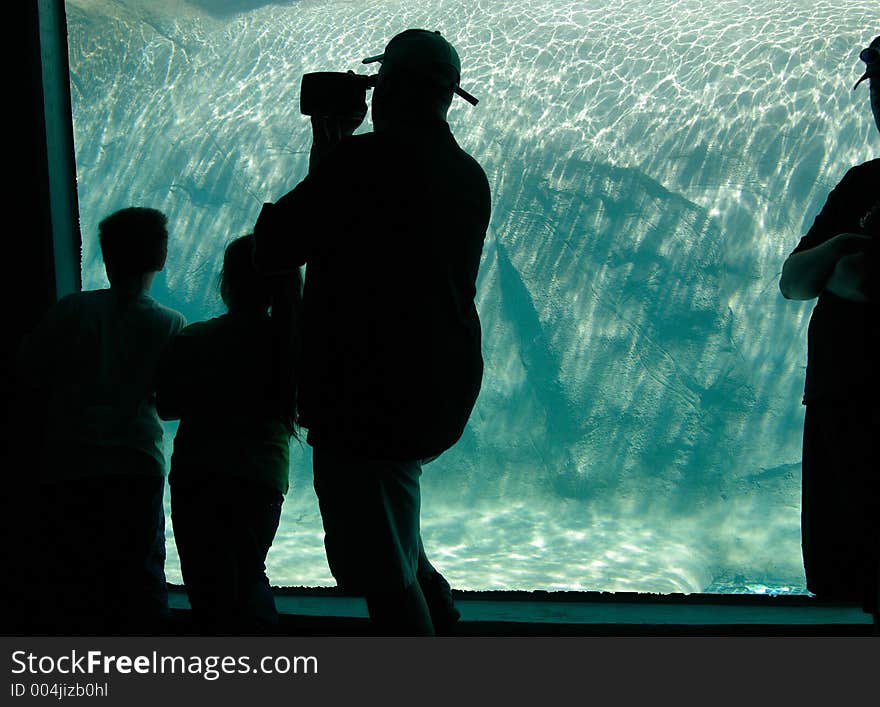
93 361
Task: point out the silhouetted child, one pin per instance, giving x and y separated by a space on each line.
230 381
91 365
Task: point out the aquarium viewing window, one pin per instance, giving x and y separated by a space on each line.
651 166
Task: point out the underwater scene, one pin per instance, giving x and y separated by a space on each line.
651 165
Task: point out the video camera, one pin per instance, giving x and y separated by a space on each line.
334 92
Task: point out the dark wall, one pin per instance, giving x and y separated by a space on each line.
29 254
41 253
32 243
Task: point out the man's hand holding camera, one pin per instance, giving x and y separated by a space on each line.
329 130
336 103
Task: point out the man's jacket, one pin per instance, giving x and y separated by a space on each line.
390 227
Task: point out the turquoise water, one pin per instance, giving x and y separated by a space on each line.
651 165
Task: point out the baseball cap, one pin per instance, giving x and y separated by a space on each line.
871 56
422 49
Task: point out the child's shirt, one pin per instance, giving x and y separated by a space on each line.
218 380
94 360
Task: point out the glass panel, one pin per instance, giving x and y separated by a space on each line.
651 163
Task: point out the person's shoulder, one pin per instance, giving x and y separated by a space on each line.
869 167
865 172
475 166
468 159
858 182
197 337
164 313
65 309
86 298
83 301
70 301
472 172
205 328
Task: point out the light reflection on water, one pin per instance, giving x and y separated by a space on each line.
611 546
651 165
522 548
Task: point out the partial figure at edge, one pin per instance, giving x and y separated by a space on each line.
836 262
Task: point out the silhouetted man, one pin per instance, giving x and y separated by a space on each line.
836 262
391 226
